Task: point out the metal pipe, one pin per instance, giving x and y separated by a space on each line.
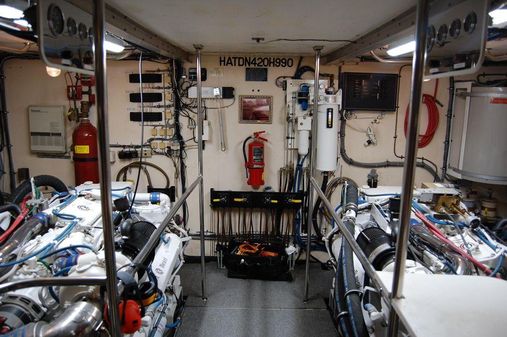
104 166
311 165
152 242
52 281
5 125
368 267
200 119
447 140
410 160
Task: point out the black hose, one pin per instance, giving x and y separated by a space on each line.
244 152
381 164
13 208
5 126
447 142
349 293
315 212
43 180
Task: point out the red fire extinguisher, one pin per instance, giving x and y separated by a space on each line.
255 163
84 140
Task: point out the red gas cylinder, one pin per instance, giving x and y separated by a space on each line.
84 139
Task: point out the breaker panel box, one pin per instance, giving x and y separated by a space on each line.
47 129
369 91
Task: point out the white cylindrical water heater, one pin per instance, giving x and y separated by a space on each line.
478 140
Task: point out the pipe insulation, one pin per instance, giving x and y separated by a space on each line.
78 320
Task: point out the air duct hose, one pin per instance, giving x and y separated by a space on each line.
381 164
348 295
79 320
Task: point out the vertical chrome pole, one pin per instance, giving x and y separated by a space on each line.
311 165
104 166
200 119
410 160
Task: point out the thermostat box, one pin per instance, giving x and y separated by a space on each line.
47 129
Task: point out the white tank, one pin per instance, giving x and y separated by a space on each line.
327 133
478 148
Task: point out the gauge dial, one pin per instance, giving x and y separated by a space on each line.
442 34
430 41
455 29
90 34
83 31
470 23
71 27
56 22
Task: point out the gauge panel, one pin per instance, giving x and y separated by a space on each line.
56 21
65 36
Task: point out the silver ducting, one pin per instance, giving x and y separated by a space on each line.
78 320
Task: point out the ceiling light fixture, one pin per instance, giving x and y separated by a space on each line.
22 23
113 47
499 16
53 72
9 12
405 48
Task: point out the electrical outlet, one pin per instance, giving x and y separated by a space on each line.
147 153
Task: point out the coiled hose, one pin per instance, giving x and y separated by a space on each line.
433 119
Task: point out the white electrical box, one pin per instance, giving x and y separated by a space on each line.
47 129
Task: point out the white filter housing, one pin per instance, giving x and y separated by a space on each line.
327 133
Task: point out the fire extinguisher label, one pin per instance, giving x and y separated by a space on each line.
82 149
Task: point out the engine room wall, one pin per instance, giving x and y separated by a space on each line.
28 84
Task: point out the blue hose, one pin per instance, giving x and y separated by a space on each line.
498 265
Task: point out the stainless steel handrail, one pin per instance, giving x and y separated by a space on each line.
200 163
104 165
368 267
154 238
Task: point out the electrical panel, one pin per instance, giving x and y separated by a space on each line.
47 129
369 91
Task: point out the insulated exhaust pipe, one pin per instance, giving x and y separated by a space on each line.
79 320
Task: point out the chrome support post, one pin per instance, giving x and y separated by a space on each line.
418 64
104 166
311 166
200 120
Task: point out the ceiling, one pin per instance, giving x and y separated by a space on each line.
227 26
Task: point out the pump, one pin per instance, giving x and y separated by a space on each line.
254 164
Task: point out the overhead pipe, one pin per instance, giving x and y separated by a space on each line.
105 167
410 162
311 165
200 120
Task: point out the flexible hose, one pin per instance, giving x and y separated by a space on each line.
387 163
433 119
437 233
13 208
244 153
43 180
124 169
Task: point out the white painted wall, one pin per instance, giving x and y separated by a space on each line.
28 84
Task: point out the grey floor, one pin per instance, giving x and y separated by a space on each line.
253 308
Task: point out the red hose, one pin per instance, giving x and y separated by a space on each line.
458 250
17 222
433 119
